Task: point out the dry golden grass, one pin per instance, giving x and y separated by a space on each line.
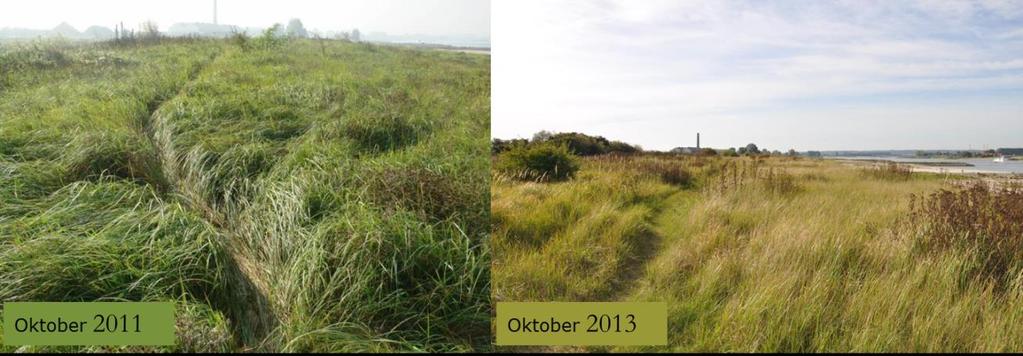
758 255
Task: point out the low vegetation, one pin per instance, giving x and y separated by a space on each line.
542 162
888 171
985 220
289 195
771 253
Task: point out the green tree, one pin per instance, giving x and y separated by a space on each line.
750 149
296 29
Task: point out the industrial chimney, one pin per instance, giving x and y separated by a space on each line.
697 140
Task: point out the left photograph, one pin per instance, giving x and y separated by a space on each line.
300 176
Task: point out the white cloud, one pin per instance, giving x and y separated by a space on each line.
619 65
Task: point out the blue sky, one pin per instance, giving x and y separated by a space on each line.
784 74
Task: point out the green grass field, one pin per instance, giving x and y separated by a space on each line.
772 254
289 196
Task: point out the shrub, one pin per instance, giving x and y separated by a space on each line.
241 40
541 162
975 217
498 145
271 38
622 148
889 171
780 183
670 172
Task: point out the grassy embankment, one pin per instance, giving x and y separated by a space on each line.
770 255
290 196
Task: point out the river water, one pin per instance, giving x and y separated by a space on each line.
979 164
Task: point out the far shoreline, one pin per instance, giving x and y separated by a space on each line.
931 168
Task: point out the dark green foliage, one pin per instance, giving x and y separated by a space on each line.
578 143
381 132
498 145
622 148
538 162
750 149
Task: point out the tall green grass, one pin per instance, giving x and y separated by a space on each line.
290 198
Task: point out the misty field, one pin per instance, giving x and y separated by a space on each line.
288 195
771 254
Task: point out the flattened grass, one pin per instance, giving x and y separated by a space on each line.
241 184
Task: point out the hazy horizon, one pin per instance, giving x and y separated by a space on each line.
394 17
808 75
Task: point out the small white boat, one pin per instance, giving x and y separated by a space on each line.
1000 159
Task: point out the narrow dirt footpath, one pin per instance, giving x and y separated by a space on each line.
244 301
672 211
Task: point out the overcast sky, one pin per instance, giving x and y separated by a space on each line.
396 17
783 74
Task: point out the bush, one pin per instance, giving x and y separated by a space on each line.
241 40
975 217
623 148
543 162
271 38
670 172
780 183
889 171
498 145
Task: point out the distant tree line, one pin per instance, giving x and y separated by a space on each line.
576 143
581 144
959 154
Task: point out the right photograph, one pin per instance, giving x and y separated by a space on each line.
781 176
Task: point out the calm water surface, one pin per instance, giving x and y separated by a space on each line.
979 164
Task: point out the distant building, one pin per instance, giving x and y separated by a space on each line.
201 29
1011 151
685 150
688 150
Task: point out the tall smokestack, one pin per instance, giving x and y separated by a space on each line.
697 140
214 12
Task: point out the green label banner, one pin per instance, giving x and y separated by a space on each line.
44 323
567 323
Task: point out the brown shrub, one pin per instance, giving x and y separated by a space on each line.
888 171
674 173
987 219
780 182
